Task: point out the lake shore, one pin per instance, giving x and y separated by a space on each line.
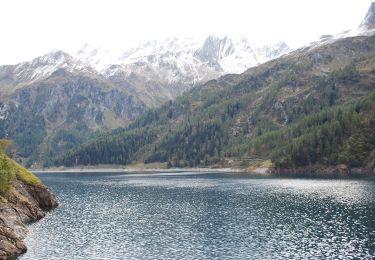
109 216
131 170
324 171
317 171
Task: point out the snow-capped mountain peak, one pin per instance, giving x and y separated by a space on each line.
43 66
171 66
182 61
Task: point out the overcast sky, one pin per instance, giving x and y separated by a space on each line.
30 28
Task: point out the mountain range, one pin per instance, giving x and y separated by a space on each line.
313 106
179 64
59 101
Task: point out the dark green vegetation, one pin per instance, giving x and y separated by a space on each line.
340 134
313 106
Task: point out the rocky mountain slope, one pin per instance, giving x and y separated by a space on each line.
57 101
303 99
23 199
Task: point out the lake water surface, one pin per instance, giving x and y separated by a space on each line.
204 216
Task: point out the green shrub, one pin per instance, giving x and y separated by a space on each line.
7 172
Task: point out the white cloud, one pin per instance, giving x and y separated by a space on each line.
33 27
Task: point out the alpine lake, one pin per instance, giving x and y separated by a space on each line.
187 215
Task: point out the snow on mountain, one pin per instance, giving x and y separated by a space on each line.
170 66
168 61
195 60
154 71
243 55
175 64
186 61
96 57
43 66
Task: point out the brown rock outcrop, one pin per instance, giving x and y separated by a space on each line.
23 203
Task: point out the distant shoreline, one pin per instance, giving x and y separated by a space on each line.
339 171
134 170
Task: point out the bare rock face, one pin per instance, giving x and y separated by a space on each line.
23 203
11 245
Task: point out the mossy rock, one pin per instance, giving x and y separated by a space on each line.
9 169
26 175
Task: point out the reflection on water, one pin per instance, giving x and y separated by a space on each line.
204 216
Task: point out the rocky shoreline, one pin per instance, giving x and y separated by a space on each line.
21 204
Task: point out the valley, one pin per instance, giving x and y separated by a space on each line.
187 130
215 101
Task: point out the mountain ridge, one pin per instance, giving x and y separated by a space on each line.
58 100
180 64
210 124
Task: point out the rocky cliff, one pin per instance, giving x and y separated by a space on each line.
24 200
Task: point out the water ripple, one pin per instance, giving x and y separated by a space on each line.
204 216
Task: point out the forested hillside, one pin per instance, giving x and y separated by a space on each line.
315 105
